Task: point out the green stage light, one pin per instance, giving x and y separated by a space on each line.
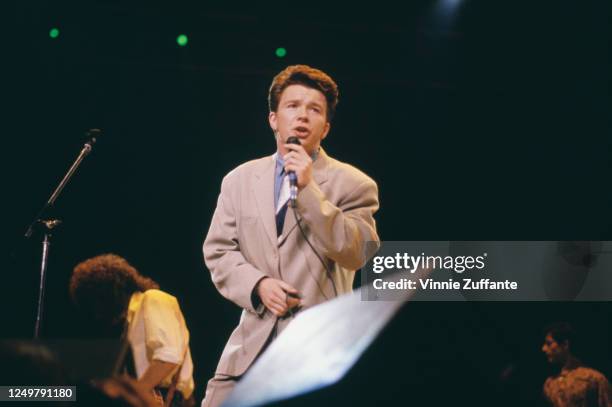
182 40
54 33
281 52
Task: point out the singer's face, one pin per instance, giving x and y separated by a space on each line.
302 112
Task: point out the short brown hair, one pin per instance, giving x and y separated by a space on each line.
306 76
104 284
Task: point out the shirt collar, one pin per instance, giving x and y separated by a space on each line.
280 163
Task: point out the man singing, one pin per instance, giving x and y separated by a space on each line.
273 255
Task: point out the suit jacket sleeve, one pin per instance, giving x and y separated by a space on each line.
234 277
342 231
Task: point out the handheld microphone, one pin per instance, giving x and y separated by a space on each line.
292 177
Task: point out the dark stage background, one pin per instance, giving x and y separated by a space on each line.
478 119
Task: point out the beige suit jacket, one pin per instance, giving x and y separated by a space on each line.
242 246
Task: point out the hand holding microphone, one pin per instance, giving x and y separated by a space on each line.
291 174
298 165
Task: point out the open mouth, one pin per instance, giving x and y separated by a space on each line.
301 131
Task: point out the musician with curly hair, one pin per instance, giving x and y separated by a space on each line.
110 290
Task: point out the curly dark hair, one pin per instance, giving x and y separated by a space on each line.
101 287
306 76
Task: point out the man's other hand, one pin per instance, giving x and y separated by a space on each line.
277 296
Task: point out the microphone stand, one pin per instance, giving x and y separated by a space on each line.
41 222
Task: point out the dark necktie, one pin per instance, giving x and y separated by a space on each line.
280 219
280 215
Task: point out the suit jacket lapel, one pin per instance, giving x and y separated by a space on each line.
319 174
263 190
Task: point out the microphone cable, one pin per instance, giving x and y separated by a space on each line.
328 273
